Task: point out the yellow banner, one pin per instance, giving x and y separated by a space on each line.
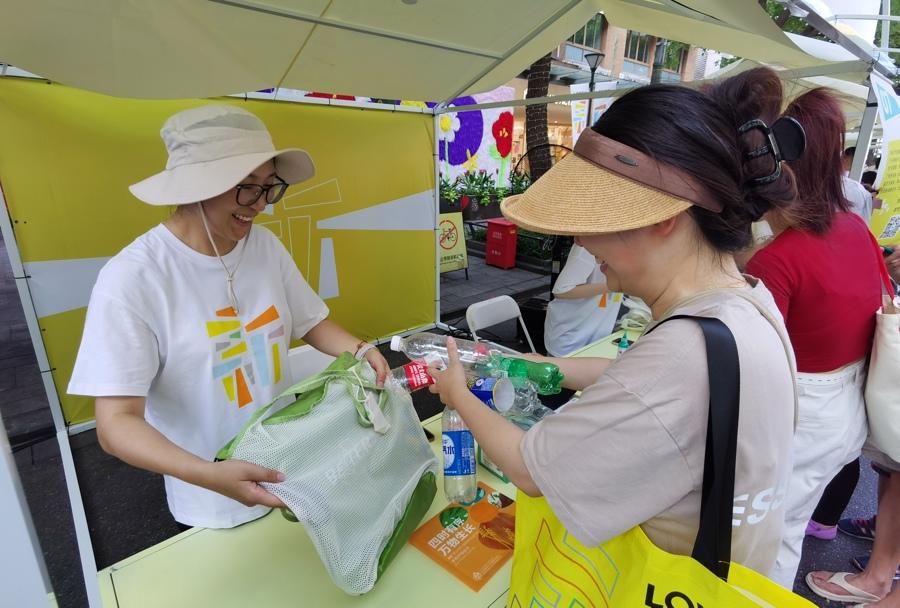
361 231
452 242
885 222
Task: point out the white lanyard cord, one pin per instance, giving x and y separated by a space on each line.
229 274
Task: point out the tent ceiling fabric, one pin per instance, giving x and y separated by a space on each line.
738 27
394 49
391 49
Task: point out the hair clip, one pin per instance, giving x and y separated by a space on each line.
786 141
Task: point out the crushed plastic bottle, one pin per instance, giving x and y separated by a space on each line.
516 399
482 360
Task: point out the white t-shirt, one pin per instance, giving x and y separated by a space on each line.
160 325
860 198
571 324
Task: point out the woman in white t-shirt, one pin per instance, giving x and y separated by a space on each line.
188 327
663 189
582 309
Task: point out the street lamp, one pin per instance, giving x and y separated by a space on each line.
593 60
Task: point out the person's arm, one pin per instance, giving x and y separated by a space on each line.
332 339
893 264
579 372
498 437
123 433
583 291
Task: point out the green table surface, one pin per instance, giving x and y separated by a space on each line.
271 562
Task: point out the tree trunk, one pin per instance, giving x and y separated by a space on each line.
536 118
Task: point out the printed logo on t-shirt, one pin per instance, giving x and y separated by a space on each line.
248 355
753 509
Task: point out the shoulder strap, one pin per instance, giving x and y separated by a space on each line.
712 547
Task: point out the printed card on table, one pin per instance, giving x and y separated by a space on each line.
472 541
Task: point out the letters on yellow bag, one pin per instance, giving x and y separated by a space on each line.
551 568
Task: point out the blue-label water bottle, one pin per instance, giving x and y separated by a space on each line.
459 458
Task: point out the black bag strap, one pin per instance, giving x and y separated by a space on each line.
712 547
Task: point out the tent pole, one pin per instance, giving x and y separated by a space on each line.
865 136
23 574
437 218
82 533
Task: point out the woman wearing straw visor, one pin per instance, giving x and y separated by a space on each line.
188 327
662 190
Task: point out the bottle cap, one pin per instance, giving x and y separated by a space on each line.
396 341
623 342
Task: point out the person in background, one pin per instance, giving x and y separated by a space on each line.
872 587
582 309
188 327
823 269
861 199
631 450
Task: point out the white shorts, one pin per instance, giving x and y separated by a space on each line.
831 430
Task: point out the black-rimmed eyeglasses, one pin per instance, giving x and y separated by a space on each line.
247 194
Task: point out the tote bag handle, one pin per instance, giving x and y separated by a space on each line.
712 547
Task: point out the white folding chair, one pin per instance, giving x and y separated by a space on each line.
491 312
304 361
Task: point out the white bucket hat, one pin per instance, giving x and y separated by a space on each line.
211 149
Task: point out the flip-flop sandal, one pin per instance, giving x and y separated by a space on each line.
854 594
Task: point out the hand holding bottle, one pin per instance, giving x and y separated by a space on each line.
450 382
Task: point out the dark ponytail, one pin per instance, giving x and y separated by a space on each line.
698 131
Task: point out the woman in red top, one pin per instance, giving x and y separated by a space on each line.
823 269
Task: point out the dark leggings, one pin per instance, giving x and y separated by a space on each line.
837 495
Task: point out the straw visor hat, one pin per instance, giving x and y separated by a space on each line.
211 149
605 186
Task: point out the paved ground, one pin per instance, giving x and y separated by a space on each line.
485 282
126 507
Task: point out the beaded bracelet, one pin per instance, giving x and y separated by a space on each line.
362 350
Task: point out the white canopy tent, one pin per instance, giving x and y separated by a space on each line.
397 49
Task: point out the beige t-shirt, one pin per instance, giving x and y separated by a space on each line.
630 451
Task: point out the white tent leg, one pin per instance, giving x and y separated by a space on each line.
82 534
865 136
23 575
437 220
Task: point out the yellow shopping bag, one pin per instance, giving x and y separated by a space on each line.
551 568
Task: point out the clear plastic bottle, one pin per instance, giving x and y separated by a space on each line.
412 376
458 447
422 344
516 399
481 359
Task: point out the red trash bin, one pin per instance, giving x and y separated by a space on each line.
501 243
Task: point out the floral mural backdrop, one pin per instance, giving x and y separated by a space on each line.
479 140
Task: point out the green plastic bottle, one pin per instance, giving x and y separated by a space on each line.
546 376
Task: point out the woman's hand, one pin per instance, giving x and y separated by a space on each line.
239 480
379 364
449 382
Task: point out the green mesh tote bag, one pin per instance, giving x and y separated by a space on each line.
359 473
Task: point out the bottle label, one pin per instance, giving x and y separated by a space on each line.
483 388
459 453
417 375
